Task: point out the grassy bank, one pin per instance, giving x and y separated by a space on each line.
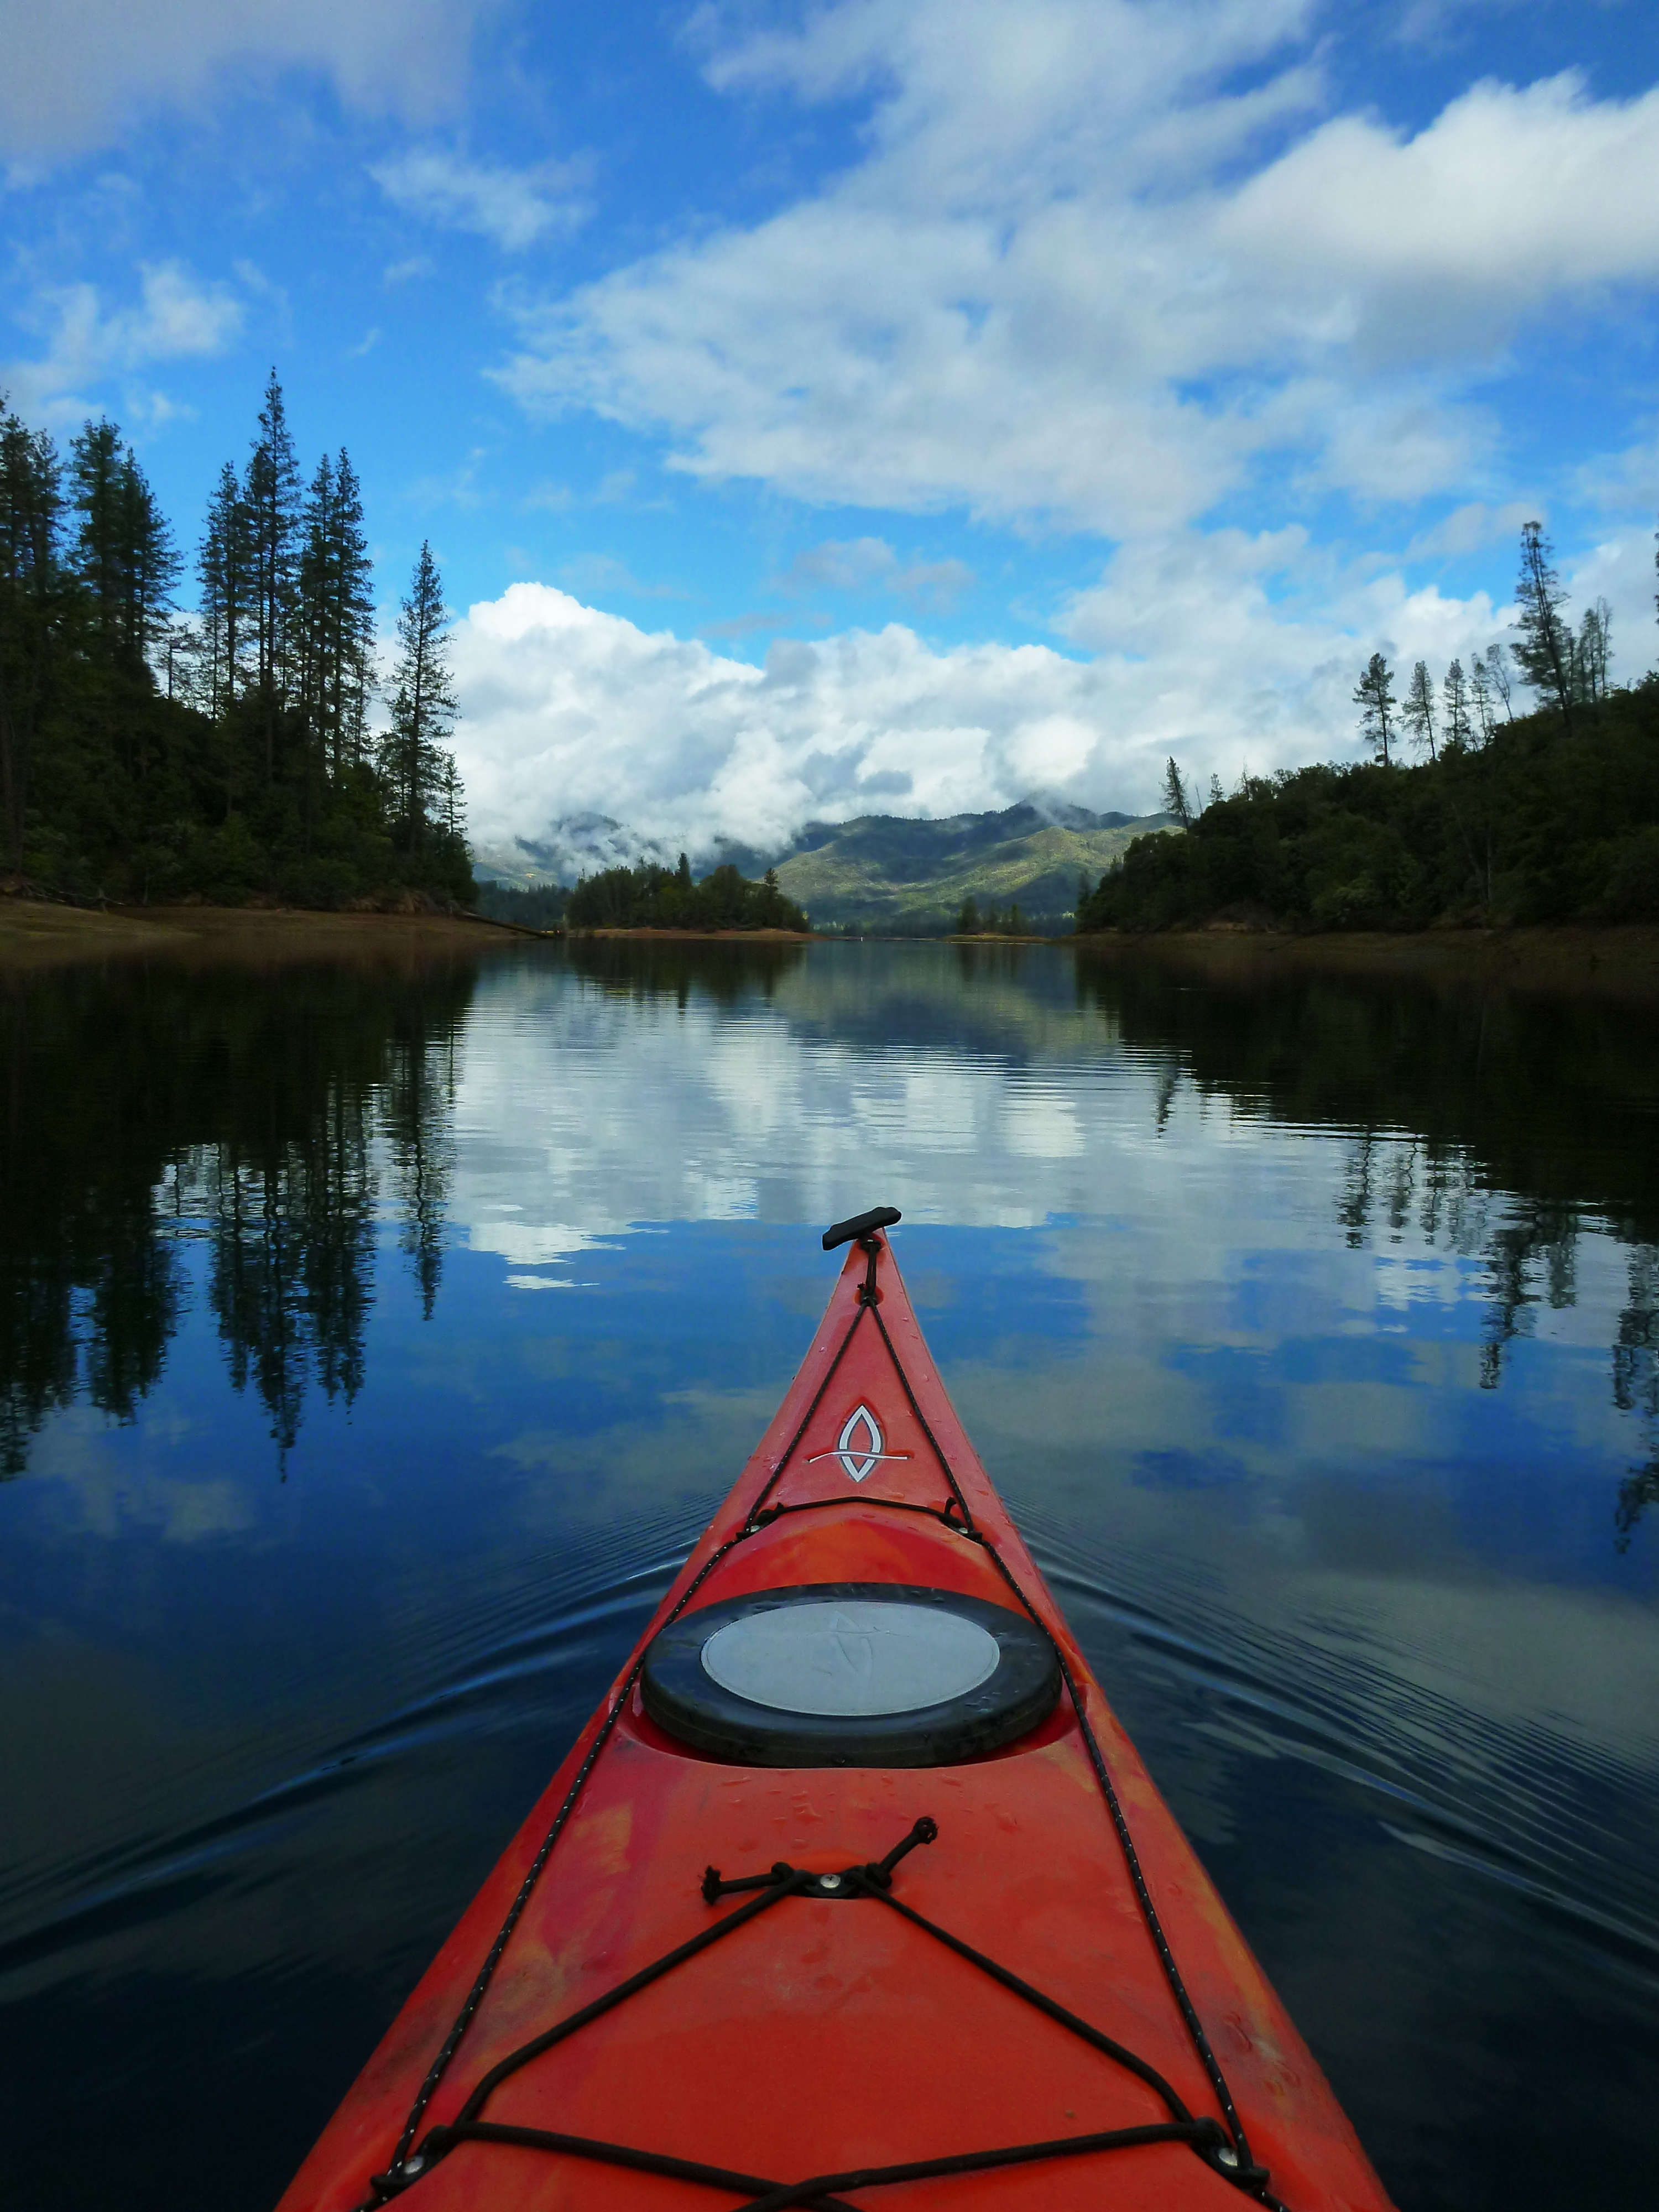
1617 962
36 934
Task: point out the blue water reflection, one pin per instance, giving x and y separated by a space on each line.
376 1346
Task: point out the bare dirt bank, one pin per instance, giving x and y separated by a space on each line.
34 933
1621 962
707 936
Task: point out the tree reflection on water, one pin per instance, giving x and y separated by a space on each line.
1501 1122
270 1114
282 1118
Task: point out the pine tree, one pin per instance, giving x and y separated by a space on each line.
122 553
967 921
1592 653
152 567
1480 699
94 458
453 796
30 508
271 493
1545 649
225 572
1503 683
1176 801
335 629
1374 697
1418 712
1455 700
314 602
351 637
422 705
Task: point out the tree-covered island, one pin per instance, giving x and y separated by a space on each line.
1510 815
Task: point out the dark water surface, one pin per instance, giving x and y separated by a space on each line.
374 1343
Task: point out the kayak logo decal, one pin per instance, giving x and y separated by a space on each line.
856 1462
859 1452
858 1446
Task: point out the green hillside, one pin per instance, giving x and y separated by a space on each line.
887 873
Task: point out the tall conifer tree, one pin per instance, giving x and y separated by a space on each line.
1374 697
31 506
1418 712
123 554
336 617
225 570
423 705
271 492
1455 705
1545 650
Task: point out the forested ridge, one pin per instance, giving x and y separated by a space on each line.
237 754
1514 813
653 897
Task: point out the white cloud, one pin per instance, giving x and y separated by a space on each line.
176 316
512 207
1228 651
78 71
1077 272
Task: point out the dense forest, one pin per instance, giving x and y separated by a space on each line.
541 907
1549 815
235 755
651 897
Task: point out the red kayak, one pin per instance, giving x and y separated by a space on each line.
857 1695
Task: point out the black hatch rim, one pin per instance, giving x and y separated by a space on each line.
684 1699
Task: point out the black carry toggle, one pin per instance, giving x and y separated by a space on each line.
881 1874
850 1881
714 1887
860 1224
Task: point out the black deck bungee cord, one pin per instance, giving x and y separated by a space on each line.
1227 2151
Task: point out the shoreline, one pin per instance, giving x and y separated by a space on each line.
1618 959
699 936
37 933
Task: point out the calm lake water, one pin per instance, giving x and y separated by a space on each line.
374 1342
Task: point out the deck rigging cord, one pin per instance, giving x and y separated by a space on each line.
1226 2149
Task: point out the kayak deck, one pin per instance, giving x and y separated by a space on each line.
1043 1965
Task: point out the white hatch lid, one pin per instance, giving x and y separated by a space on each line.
850 1658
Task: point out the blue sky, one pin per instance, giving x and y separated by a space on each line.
816 409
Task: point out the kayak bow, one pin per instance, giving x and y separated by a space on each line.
858 1694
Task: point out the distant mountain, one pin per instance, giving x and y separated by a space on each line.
580 845
882 873
887 873
576 845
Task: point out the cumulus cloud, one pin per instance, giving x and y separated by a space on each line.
513 207
1231 652
78 71
1102 260
176 315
